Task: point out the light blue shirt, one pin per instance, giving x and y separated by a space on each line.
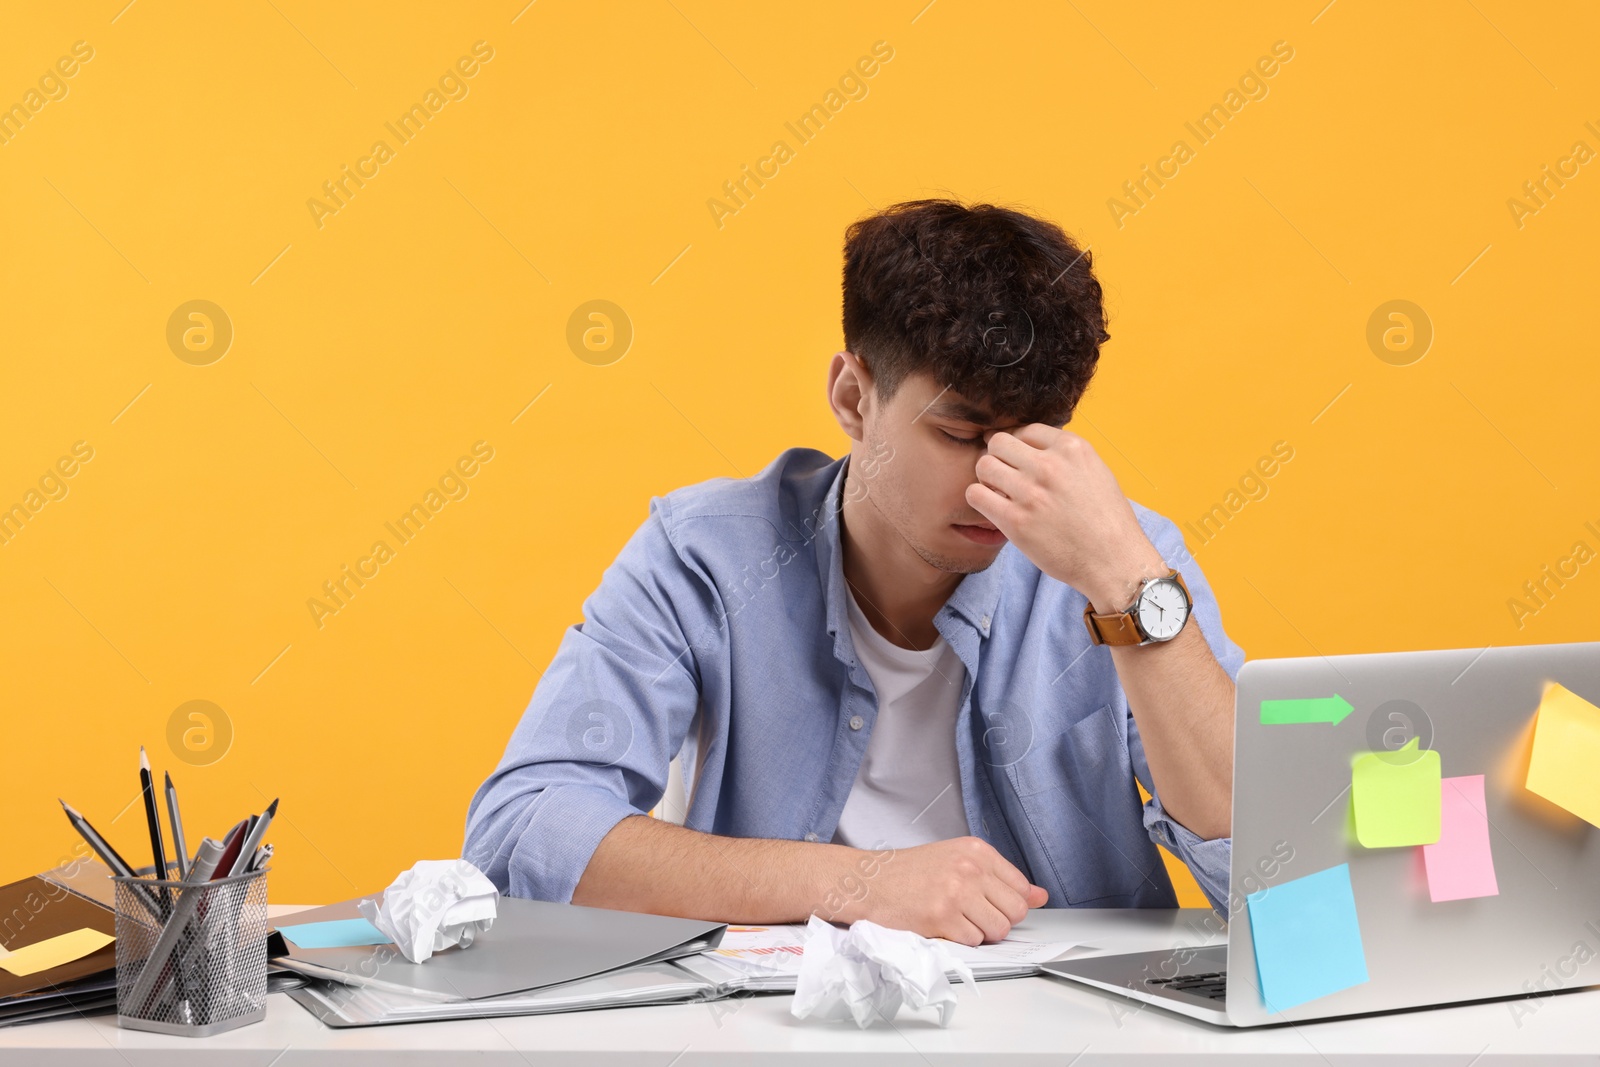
721 632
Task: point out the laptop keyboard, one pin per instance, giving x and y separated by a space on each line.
1212 986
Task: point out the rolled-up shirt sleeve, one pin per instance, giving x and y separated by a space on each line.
595 741
1207 860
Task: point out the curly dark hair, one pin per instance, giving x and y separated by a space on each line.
1000 306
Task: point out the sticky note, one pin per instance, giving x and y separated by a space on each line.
1459 864
1307 939
54 951
1396 797
1566 753
335 933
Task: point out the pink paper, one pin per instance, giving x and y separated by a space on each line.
1459 864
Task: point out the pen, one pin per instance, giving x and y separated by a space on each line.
252 840
230 847
178 845
261 858
153 816
238 858
156 969
108 855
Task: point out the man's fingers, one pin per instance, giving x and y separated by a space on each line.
990 921
1017 902
1040 435
1007 873
1015 450
988 501
999 475
962 932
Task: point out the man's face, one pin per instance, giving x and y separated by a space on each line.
919 454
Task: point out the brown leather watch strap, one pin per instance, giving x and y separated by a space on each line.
1118 627
1114 628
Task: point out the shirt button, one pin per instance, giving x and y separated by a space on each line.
857 722
986 620
811 836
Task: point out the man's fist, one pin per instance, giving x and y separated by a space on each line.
960 889
1053 497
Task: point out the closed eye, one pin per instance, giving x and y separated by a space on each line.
963 440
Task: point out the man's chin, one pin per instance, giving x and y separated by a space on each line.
976 558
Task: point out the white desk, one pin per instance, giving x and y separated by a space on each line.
1019 1021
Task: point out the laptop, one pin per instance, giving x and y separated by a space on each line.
1505 903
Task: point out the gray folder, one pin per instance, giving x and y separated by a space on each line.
532 944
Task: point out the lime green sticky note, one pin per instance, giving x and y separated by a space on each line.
1396 796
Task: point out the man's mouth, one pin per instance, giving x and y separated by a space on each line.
983 533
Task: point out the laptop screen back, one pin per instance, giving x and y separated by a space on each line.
1336 908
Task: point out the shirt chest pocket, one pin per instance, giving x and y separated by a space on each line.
1077 792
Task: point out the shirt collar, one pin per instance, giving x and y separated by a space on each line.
974 599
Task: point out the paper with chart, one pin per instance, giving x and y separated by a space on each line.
775 951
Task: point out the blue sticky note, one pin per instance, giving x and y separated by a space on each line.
335 933
1307 940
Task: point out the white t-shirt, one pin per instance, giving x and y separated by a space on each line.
908 790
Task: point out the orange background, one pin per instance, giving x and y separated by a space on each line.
430 312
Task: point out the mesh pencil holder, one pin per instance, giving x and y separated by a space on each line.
191 959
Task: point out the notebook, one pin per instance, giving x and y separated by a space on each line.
532 944
35 910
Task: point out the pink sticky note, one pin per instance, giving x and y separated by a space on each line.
1459 863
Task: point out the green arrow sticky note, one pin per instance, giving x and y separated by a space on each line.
1396 796
1315 709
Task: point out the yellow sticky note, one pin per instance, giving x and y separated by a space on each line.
1565 766
54 951
1396 797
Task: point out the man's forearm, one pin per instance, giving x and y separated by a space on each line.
959 888
1052 495
648 865
1182 701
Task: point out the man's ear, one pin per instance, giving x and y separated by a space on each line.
849 393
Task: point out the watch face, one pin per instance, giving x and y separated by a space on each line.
1163 609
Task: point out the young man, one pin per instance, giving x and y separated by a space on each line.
915 684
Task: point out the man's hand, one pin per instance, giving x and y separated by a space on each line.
960 889
1053 496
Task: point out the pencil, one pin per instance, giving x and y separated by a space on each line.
177 827
108 855
152 815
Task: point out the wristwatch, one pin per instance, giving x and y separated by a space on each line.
1157 613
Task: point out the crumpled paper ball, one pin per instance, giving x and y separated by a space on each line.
434 905
869 970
